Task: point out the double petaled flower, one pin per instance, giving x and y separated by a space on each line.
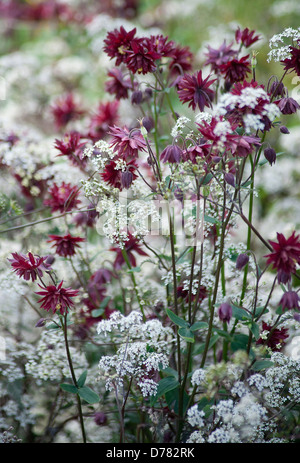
236 70
117 43
117 177
57 298
65 245
127 143
285 256
30 266
65 109
63 198
196 91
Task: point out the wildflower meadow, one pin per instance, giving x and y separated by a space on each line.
150 223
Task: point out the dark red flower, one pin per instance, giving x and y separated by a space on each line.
275 340
141 56
65 109
62 198
118 85
218 130
127 143
162 46
117 43
172 153
131 246
293 63
96 288
287 105
290 300
285 257
236 70
243 145
195 152
181 61
105 116
219 56
72 147
246 37
56 298
196 91
115 177
30 266
65 245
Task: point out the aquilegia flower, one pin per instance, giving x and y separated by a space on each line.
246 37
285 256
57 298
30 266
65 245
131 246
63 197
293 62
127 143
290 300
118 85
196 91
65 109
236 70
272 337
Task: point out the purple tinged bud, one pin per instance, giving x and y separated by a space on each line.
126 179
284 129
100 418
290 300
50 259
41 322
225 312
216 159
297 317
277 89
270 155
137 97
241 261
229 178
147 122
172 154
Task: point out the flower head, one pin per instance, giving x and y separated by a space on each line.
65 245
72 147
293 62
30 266
56 298
141 56
236 70
196 91
131 246
181 60
287 105
127 143
172 154
119 178
105 116
118 85
246 37
272 337
219 56
117 43
290 300
63 197
65 109
285 256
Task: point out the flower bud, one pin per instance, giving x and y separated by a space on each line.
270 155
136 97
229 178
41 322
225 312
241 261
100 418
147 122
284 129
126 179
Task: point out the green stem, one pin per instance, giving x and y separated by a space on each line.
125 256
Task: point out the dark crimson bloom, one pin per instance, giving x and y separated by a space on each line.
57 298
72 147
62 198
285 257
131 246
243 145
276 339
219 56
195 152
118 85
117 43
293 63
141 57
172 154
236 70
287 105
181 61
219 131
115 177
225 312
246 37
65 245
127 143
162 46
290 300
65 110
196 91
30 266
105 116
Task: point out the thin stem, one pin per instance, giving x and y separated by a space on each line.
125 256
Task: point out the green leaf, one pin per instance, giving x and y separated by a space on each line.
69 388
210 219
81 379
199 326
255 330
262 365
240 313
177 320
98 312
87 394
186 334
165 385
239 342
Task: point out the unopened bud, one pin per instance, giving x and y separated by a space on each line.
270 155
225 312
229 178
136 97
241 261
40 323
284 129
126 179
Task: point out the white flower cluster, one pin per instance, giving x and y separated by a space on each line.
49 361
279 50
180 124
99 153
144 349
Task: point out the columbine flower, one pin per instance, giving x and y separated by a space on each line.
273 337
141 56
285 256
117 43
65 109
118 85
181 60
65 245
287 105
236 70
246 37
56 298
193 89
63 198
131 246
127 143
290 300
71 146
172 154
115 176
30 266
105 116
293 62
219 56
